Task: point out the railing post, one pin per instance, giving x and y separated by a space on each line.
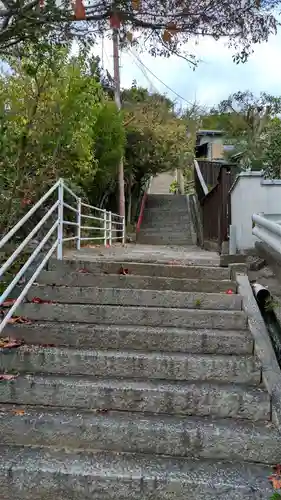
78 245
110 227
123 231
60 220
105 228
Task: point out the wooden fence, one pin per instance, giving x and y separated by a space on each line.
215 205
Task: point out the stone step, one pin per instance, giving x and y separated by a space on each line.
140 269
180 212
45 474
165 230
160 201
169 218
135 282
158 239
152 316
140 433
135 337
131 364
159 397
134 297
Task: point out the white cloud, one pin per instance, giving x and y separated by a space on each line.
215 77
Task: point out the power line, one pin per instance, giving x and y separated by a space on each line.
159 80
142 69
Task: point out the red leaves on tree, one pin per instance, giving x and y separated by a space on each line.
79 10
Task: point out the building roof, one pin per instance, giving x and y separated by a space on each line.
209 132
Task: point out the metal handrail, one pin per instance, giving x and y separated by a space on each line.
267 231
107 226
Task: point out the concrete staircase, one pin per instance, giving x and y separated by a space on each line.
166 221
134 387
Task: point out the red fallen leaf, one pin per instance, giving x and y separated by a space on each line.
123 271
19 412
8 302
83 271
8 343
229 292
19 319
25 202
277 469
275 481
5 376
37 300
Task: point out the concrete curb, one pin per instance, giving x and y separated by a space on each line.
263 348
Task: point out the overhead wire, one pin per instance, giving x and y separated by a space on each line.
159 80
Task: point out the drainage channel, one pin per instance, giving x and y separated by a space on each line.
266 305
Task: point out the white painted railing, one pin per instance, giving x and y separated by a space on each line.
268 231
107 227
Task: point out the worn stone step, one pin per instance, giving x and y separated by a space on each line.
159 201
140 269
135 337
161 239
40 474
131 364
167 220
159 397
190 437
165 230
136 282
116 315
166 213
135 297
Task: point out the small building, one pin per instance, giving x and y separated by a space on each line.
210 145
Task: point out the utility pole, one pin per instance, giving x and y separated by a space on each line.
117 95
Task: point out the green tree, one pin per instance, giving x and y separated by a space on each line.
272 149
156 139
244 118
50 115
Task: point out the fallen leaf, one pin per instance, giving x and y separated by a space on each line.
8 343
275 481
37 300
83 271
19 412
5 376
8 302
123 271
19 319
229 292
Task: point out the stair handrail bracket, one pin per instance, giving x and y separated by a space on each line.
107 227
267 231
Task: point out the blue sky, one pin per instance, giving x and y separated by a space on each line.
214 79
